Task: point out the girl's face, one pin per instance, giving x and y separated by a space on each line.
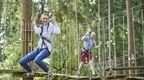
45 19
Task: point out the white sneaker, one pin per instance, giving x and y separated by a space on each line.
110 72
93 74
50 74
78 73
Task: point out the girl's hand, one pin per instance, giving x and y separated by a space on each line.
53 20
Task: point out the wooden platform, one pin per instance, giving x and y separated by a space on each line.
19 73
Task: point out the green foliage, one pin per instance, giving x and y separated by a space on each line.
12 45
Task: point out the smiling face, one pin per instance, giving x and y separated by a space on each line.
45 19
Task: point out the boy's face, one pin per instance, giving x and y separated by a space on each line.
93 34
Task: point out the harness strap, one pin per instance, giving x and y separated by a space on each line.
86 50
43 38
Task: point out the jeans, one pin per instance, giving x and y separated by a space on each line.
37 55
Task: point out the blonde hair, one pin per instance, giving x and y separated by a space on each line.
45 14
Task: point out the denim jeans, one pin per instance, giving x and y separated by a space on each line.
37 55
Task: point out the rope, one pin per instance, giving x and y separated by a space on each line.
99 22
67 51
61 55
42 6
104 39
76 22
109 28
123 20
133 55
115 55
69 57
142 29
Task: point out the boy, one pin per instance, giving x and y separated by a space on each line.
86 54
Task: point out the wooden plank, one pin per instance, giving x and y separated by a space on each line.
8 71
83 77
37 74
126 68
43 74
135 78
120 76
19 73
117 77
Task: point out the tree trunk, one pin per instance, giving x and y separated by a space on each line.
130 36
26 28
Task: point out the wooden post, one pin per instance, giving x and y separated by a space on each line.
26 28
130 34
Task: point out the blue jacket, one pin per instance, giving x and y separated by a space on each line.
89 42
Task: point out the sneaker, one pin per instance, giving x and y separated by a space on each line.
110 72
50 74
93 74
78 73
